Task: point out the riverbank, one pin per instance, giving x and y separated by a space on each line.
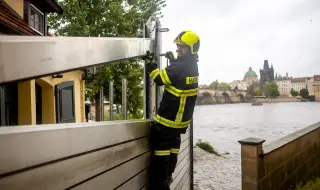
205 172
222 126
262 100
272 100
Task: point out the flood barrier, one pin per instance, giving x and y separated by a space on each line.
99 155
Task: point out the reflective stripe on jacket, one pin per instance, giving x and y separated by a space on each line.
180 80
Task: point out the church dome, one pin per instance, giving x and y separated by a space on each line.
250 73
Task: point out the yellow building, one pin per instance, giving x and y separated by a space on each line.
53 99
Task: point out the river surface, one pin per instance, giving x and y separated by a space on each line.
224 125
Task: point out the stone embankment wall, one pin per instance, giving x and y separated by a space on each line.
282 164
207 100
271 100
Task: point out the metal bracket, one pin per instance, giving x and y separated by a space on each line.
163 30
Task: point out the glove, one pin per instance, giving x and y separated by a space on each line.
148 58
169 55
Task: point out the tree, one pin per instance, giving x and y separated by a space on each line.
271 89
304 93
115 72
111 18
221 86
214 84
258 92
224 86
251 90
293 92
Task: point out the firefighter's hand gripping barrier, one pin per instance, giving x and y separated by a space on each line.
148 58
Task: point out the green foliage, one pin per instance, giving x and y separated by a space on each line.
104 18
310 185
109 18
271 89
251 90
220 86
129 69
258 92
254 90
118 116
304 93
293 92
311 98
206 146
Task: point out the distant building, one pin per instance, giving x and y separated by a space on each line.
284 84
299 83
239 85
310 87
316 87
267 74
249 78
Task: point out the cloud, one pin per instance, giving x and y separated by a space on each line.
238 34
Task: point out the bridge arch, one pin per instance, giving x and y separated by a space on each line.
241 96
227 98
206 94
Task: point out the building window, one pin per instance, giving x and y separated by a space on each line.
36 19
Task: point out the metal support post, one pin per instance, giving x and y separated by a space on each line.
158 58
101 105
124 99
2 107
99 99
147 86
111 100
191 155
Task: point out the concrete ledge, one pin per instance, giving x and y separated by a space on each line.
251 141
289 138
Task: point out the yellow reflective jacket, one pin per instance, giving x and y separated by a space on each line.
180 80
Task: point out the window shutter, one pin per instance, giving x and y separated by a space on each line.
65 108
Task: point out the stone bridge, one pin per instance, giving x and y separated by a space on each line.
211 96
231 93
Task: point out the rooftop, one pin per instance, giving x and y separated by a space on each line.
300 79
250 73
12 23
284 78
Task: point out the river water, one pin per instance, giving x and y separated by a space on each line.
224 125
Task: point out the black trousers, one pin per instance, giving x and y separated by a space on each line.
165 145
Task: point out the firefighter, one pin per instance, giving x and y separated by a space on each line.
180 81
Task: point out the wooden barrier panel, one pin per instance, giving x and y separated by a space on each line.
103 155
182 171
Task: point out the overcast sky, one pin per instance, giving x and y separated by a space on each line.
237 34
